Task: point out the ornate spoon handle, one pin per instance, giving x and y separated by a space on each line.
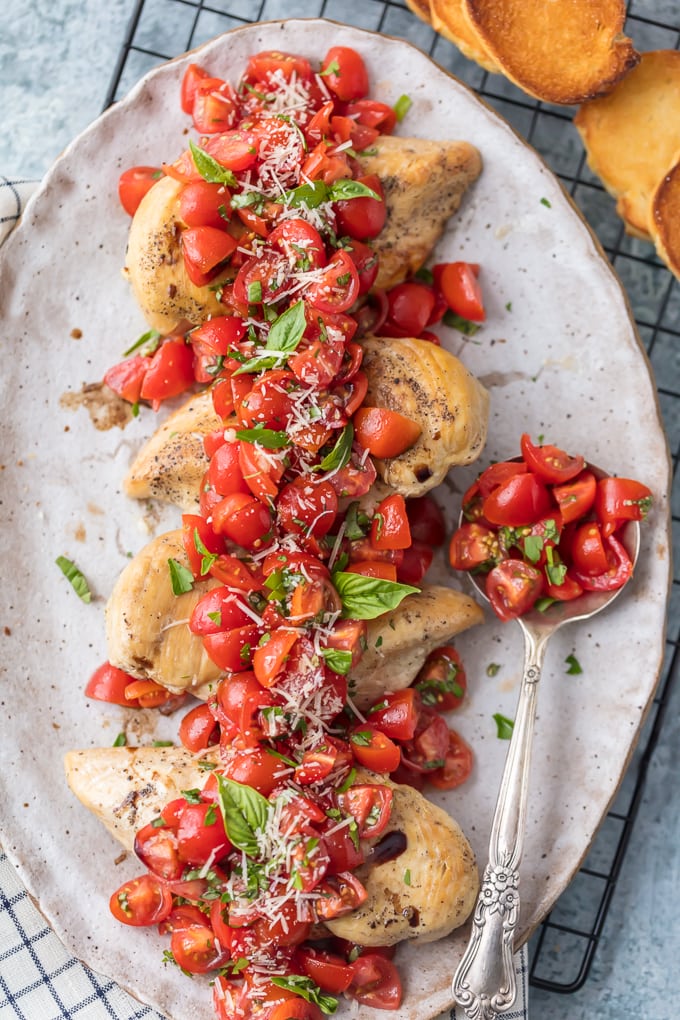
484 983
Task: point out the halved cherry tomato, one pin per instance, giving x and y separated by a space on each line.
338 287
197 536
373 749
196 950
366 261
576 497
221 333
498 473
374 114
474 547
269 658
370 805
181 917
549 462
260 473
410 307
587 551
426 520
170 372
566 591
457 764
363 217
522 499
415 564
201 835
235 150
390 528
231 649
156 848
339 895
345 73
385 433
215 106
618 500
397 713
441 681
618 569
296 1008
198 729
133 184
460 287
219 609
204 249
300 242
127 377
348 636
191 79
149 694
328 971
375 982
108 683
255 768
512 588
243 519
141 901
262 66
307 508
373 568
239 698
202 204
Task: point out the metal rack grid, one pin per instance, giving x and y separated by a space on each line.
563 949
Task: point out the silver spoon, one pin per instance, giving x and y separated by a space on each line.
484 984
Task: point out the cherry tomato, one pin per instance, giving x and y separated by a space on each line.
375 982
201 835
549 462
390 528
193 76
235 150
373 749
108 683
141 901
348 636
373 568
338 287
204 250
374 114
474 547
197 536
588 553
460 287
410 308
300 242
296 1008
198 729
156 848
221 333
426 520
126 378
261 66
215 106
224 473
576 497
522 499
328 971
442 682
259 473
345 854
566 591
345 73
170 372
370 805
269 402
397 713
618 570
339 895
196 950
184 916
133 184
307 508
231 649
512 588
498 473
219 609
363 217
239 698
149 694
269 658
366 261
618 500
243 519
457 764
261 280
415 564
385 433
255 768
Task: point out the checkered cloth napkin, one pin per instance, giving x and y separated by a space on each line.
39 979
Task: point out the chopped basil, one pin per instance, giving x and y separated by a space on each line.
149 341
75 577
207 558
407 877
458 322
545 602
356 522
365 598
424 274
341 452
255 292
209 169
504 726
120 741
556 572
245 813
181 578
492 669
282 757
216 617
192 796
284 337
333 68
246 199
210 816
508 306
362 738
337 659
533 547
341 190
378 641
349 781
307 989
270 439
574 665
163 743
546 202
402 106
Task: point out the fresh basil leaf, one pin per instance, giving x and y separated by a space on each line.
209 169
244 812
181 578
365 598
362 738
347 188
544 603
356 522
247 200
333 68
556 573
284 336
307 989
533 547
120 741
150 341
341 452
75 577
504 726
424 274
192 796
312 195
270 439
458 322
337 659
574 665
348 781
207 558
402 106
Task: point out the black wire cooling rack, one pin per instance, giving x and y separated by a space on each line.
562 950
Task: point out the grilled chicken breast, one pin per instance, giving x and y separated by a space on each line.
432 387
443 879
126 787
147 630
423 182
399 642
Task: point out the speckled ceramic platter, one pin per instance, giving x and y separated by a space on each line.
561 358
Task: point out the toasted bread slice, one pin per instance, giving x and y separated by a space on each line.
561 51
632 135
450 20
664 218
421 8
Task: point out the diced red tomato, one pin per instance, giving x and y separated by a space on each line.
373 749
460 287
385 433
441 682
618 500
370 805
108 683
390 527
345 73
133 185
170 372
576 497
141 901
512 588
549 462
375 982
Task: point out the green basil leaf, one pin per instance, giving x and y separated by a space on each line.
504 726
362 738
356 522
120 741
333 68
341 452
244 812
574 665
76 578
533 547
312 195
458 322
402 106
365 598
284 336
209 169
307 989
247 200
150 341
181 578
348 188
337 659
207 558
268 438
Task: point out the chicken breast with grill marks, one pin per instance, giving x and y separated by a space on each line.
432 387
126 787
147 630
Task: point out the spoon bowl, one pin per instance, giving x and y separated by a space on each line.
484 984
